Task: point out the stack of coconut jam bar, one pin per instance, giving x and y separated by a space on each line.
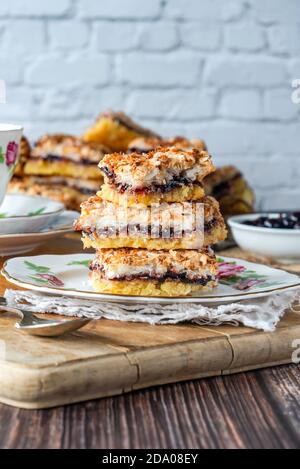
152 225
61 167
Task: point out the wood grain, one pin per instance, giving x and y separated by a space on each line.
250 410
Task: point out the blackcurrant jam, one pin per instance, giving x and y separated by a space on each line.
289 220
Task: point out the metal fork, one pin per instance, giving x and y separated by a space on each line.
33 325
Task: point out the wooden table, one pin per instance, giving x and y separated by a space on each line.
258 409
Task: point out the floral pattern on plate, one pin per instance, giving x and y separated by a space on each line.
239 277
40 211
43 275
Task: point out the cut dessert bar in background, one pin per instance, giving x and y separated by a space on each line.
61 167
116 130
145 144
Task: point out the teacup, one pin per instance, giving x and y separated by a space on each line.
10 137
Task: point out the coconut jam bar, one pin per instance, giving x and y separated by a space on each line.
116 130
145 144
65 155
69 191
61 167
24 155
166 226
162 175
153 273
229 187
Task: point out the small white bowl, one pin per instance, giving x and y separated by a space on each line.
21 213
281 244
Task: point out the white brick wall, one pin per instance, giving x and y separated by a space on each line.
216 69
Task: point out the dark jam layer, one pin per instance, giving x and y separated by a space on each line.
85 190
289 221
54 158
139 150
169 276
129 124
148 231
43 181
107 172
224 186
161 278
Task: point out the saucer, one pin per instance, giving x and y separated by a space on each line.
21 213
13 244
68 275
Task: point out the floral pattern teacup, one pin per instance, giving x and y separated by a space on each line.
10 136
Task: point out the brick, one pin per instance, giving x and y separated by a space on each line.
227 139
290 138
278 105
116 36
240 104
165 128
159 36
19 105
247 138
3 23
284 39
68 34
295 94
120 9
295 68
159 70
270 11
34 129
202 36
31 34
214 10
80 102
35 8
60 105
5 9
266 172
97 100
11 70
241 71
187 105
2 91
57 71
244 37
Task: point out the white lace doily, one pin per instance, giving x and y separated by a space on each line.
263 313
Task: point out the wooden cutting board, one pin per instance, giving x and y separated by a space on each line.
108 357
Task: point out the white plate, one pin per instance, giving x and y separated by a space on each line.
277 243
13 244
21 213
68 275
